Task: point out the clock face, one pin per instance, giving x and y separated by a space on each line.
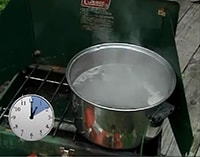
31 117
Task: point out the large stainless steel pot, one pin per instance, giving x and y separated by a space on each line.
120 124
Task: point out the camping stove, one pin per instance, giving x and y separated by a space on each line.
50 82
39 37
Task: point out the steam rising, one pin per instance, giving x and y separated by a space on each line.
122 78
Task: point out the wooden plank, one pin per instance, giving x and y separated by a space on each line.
167 137
192 88
185 5
195 146
187 41
173 149
187 38
198 153
192 84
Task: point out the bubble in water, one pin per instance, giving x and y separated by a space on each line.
116 86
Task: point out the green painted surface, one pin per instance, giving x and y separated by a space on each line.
3 4
12 145
59 33
54 27
15 39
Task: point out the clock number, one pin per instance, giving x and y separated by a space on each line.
30 100
49 117
13 117
23 103
47 109
47 126
22 131
15 127
40 132
17 109
31 135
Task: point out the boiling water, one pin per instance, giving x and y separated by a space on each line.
117 86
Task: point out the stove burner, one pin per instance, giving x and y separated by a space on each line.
50 82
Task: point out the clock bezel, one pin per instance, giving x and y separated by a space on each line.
52 114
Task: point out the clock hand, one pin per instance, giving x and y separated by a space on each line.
31 102
35 110
33 113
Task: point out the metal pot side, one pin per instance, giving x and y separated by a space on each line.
107 128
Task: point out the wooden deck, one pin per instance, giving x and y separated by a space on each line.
188 46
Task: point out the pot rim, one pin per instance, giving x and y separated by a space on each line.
141 49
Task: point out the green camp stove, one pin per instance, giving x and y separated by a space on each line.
37 40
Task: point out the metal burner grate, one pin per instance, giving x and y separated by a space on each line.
49 82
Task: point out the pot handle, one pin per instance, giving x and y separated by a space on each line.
161 112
